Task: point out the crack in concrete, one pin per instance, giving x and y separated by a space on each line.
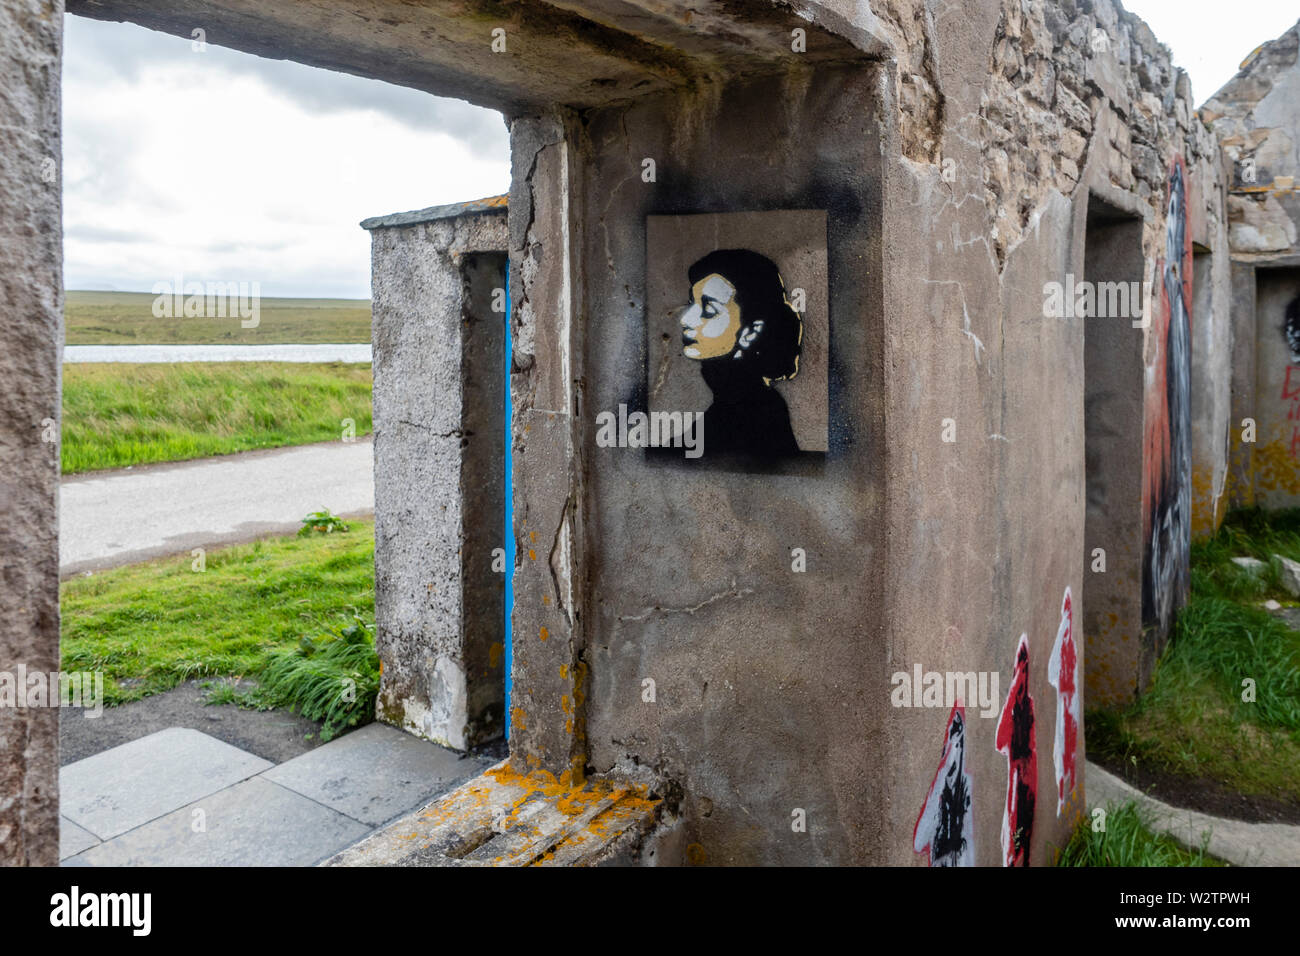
658 609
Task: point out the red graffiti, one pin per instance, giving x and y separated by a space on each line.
1291 393
1015 739
943 828
1063 674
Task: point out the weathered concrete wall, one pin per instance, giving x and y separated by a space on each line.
770 684
31 341
439 445
1277 391
955 151
1257 117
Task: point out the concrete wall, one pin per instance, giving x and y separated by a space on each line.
439 452
31 340
772 687
1257 117
955 152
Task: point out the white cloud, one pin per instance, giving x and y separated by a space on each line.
224 166
1210 38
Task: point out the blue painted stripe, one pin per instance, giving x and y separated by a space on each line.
508 484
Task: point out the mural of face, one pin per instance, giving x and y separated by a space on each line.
711 324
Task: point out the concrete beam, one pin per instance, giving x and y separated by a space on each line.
578 54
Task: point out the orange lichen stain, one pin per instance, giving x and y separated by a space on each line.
546 599
1206 506
494 654
565 704
532 536
695 853
532 555
564 671
517 718
568 726
544 634
1276 470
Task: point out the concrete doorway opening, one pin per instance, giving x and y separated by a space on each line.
237 778
1113 437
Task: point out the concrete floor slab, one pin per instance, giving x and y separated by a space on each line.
73 839
376 773
120 789
254 823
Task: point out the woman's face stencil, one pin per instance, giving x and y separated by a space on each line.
711 323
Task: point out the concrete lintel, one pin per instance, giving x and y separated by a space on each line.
1289 261
577 54
455 210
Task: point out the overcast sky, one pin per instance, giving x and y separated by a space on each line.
222 166
228 167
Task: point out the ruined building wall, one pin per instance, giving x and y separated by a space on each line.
1257 117
773 688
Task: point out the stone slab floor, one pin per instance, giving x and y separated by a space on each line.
179 797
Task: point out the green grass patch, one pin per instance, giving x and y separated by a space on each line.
126 318
1128 841
116 415
332 679
1193 720
148 627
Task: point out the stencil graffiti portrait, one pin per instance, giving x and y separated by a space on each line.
1063 674
1167 460
1015 739
742 330
737 332
943 830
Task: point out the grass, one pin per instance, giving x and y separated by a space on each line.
116 415
1193 720
1128 841
126 318
149 627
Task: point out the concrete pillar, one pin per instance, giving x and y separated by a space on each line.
439 347
1241 454
550 682
31 340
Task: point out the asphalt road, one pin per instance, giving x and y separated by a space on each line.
118 517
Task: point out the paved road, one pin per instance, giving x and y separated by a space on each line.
118 517
356 352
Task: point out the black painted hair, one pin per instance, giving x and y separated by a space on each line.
760 295
1291 327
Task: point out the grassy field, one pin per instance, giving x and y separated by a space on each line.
1193 721
127 414
1128 841
254 608
126 318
